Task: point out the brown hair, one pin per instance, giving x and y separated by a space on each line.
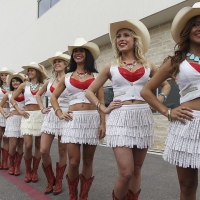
181 48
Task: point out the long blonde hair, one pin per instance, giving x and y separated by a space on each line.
137 50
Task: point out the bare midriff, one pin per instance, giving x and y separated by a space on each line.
129 102
82 106
15 112
193 104
6 105
32 107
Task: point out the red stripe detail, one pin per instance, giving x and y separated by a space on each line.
25 187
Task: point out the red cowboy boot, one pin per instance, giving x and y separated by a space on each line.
133 196
73 191
12 164
36 163
28 170
85 187
18 163
5 159
50 178
59 177
125 198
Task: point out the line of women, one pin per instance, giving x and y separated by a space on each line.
75 110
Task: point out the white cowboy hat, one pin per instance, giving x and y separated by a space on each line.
59 55
181 18
38 67
135 25
91 46
5 70
15 75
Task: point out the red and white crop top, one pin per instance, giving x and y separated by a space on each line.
127 85
63 99
19 100
188 81
30 96
76 89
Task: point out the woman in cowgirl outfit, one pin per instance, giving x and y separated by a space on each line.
129 128
13 123
85 125
52 125
183 142
4 88
32 117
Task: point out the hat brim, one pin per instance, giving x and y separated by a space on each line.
90 46
135 25
10 77
181 19
66 58
9 71
44 76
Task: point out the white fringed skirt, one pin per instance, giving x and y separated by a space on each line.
83 129
32 125
183 143
2 119
129 126
13 128
52 124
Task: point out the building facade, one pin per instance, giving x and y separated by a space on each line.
34 30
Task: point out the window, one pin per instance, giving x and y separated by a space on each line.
44 5
171 102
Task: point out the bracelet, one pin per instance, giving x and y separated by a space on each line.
163 94
57 110
169 115
98 106
14 104
42 110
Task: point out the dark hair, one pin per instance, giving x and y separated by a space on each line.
17 79
89 63
181 48
39 75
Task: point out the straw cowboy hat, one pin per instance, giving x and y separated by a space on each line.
91 46
5 70
38 67
135 25
15 75
59 55
181 18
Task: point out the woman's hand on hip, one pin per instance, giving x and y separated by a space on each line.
113 105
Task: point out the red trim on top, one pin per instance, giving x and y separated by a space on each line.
81 85
52 89
4 91
34 92
196 66
132 76
19 98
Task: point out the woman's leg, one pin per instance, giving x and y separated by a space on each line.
36 159
138 156
88 156
86 176
125 164
1 136
73 169
60 166
45 146
19 155
62 151
74 160
28 141
188 181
